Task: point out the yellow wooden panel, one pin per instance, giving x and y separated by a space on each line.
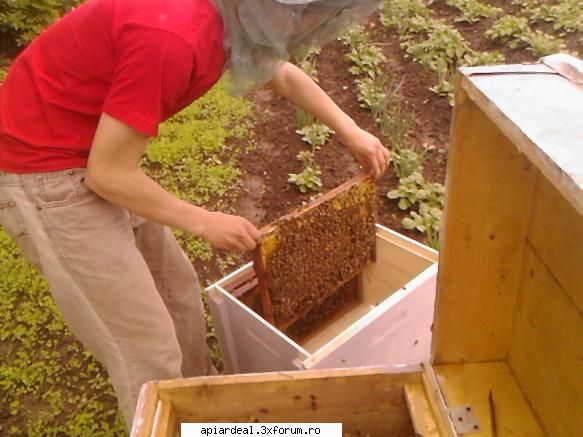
364 400
424 422
546 353
394 267
412 246
145 410
437 402
470 385
556 233
489 189
164 421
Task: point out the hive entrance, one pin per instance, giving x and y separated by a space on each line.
309 261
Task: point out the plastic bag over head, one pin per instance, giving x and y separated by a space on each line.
260 34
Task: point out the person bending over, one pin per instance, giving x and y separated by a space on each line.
77 110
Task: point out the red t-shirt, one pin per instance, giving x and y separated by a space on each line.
139 61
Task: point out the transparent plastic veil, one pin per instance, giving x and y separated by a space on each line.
260 34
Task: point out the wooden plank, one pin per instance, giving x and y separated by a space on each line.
366 401
546 353
470 385
556 234
323 198
489 190
437 402
164 421
424 422
262 284
396 265
240 278
421 250
145 410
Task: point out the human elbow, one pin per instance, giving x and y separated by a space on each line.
281 80
102 183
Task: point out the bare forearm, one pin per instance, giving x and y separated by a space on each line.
113 172
298 88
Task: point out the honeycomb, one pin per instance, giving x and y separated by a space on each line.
311 253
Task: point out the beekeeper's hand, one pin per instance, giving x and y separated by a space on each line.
229 232
367 150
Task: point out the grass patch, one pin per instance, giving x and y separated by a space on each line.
49 385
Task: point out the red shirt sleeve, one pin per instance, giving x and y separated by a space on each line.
153 70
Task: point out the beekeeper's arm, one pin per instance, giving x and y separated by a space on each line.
114 173
298 88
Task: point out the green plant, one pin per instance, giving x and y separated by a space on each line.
367 60
371 95
355 37
542 44
303 118
427 221
406 16
565 15
414 189
4 64
407 161
22 20
484 58
442 50
473 11
315 135
42 366
526 5
308 64
415 192
516 32
444 87
395 124
509 29
309 177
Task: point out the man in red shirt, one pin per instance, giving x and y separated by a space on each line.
77 110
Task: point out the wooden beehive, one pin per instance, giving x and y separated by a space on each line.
507 347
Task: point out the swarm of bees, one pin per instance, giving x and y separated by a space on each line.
312 253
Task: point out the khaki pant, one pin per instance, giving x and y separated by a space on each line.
123 285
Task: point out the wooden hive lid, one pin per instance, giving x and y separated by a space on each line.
539 107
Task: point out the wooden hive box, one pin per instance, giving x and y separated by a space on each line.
507 346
